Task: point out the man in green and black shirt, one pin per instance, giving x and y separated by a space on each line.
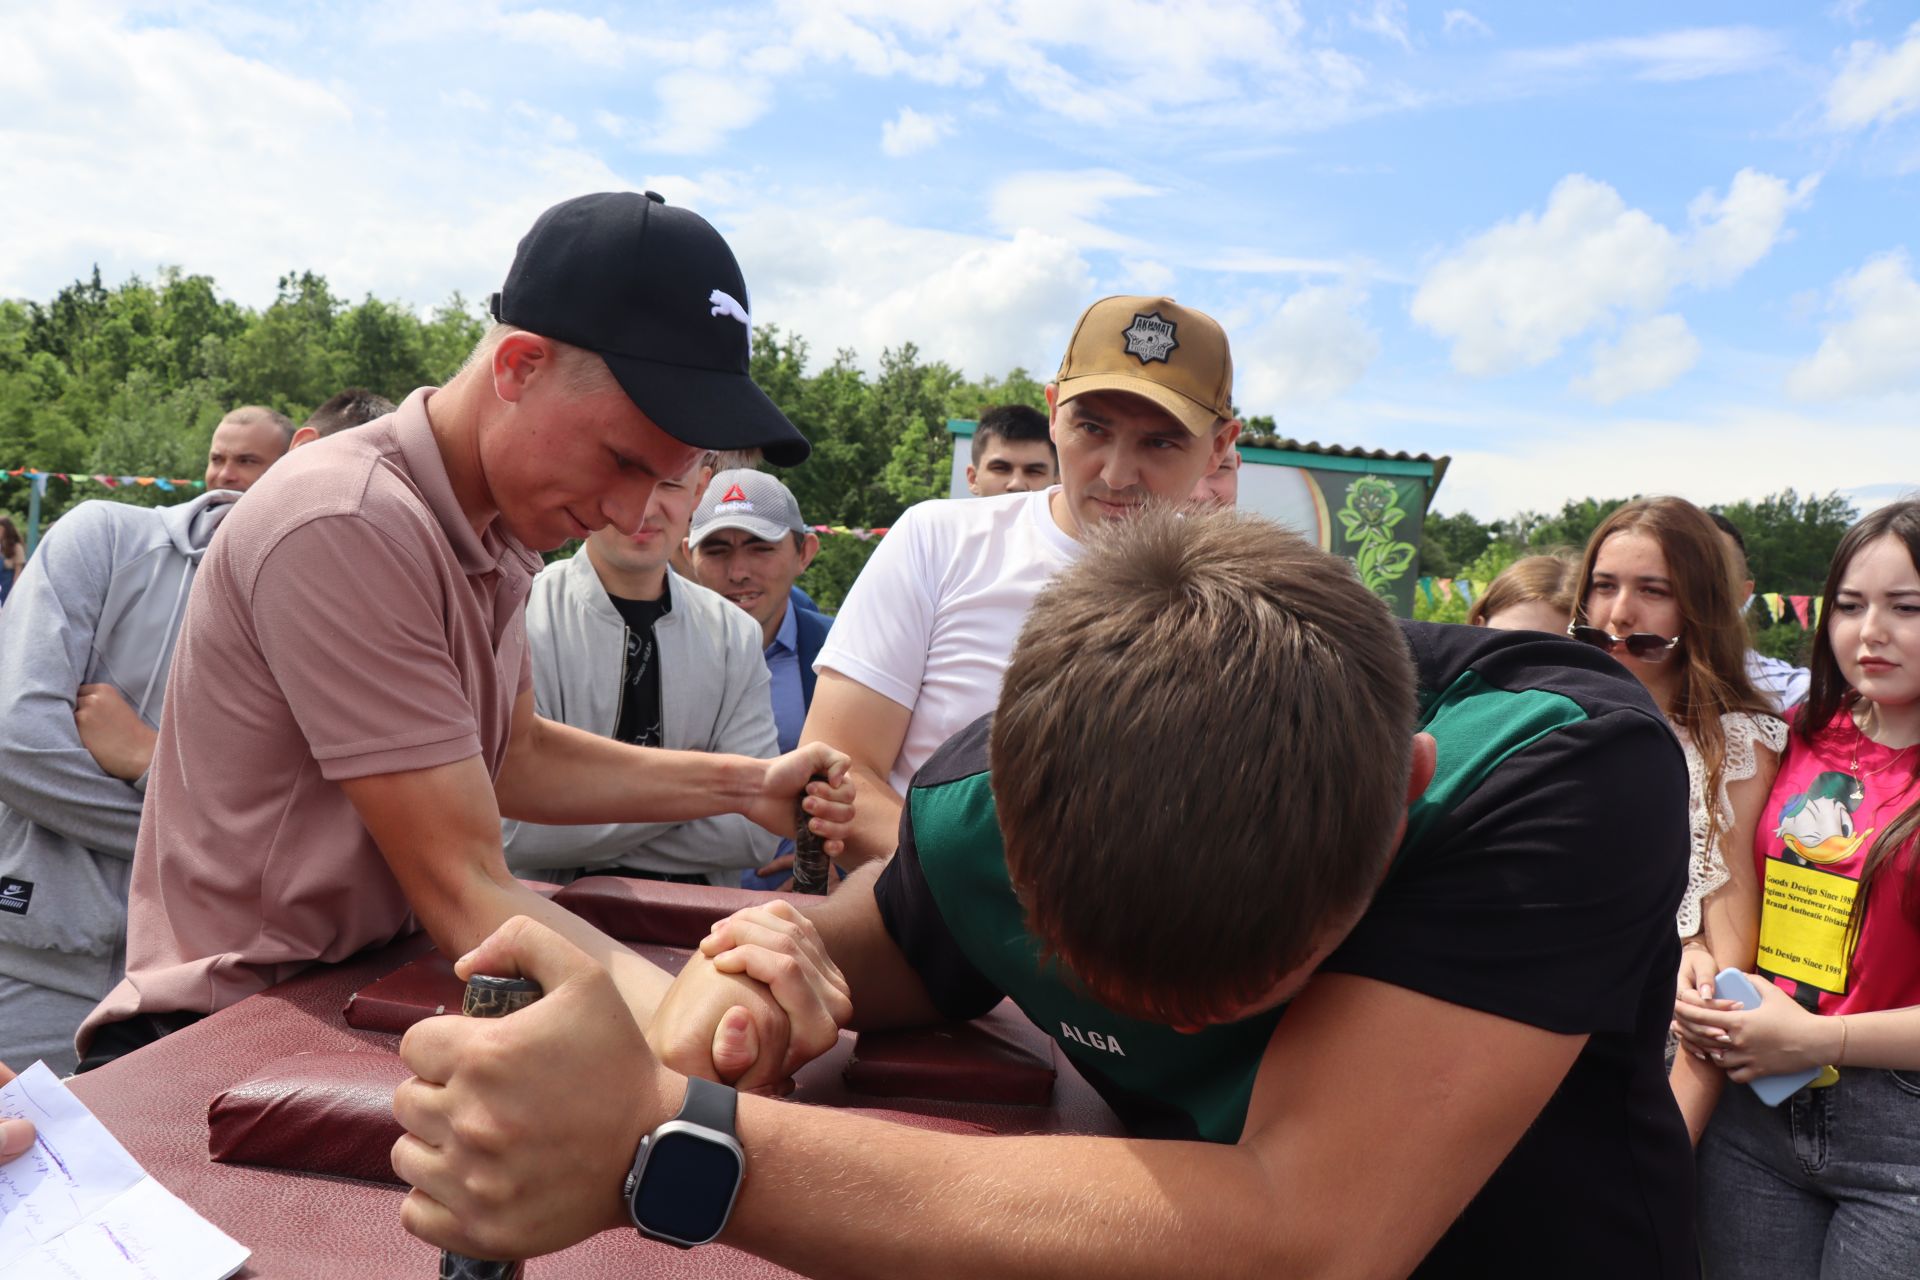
1367 923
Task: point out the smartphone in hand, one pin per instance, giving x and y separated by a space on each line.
1731 984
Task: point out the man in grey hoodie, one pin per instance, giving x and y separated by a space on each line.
97 609
85 643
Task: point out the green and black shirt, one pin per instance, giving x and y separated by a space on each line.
1537 881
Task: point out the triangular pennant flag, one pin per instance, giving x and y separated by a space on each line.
1446 588
164 484
1819 609
128 479
1426 589
1775 605
1466 590
143 480
1799 604
108 481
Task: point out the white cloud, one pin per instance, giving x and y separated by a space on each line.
156 145
1144 275
1649 355
1876 85
698 109
1514 295
1314 346
1694 54
1734 231
1543 464
911 131
1067 204
1876 346
846 280
1459 22
1386 19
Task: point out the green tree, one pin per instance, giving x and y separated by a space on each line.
1791 539
285 359
1449 541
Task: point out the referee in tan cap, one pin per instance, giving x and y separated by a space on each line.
1142 409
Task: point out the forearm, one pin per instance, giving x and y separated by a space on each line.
1696 1087
58 785
563 775
460 922
885 1200
1889 1039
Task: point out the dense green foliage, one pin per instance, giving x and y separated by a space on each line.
130 381
1790 540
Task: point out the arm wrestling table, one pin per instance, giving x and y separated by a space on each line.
301 1225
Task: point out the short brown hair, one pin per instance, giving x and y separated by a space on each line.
1548 579
354 407
1200 758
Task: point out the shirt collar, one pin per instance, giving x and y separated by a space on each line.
477 552
788 635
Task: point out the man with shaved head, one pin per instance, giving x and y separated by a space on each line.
245 443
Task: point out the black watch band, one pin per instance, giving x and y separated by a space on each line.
709 1105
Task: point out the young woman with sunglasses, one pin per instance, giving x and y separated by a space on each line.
1656 590
1823 1185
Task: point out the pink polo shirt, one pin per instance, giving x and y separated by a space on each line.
346 622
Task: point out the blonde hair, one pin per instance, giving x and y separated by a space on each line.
1548 579
584 370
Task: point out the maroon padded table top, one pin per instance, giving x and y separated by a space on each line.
309 1225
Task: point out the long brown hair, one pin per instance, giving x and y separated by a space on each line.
9 537
1830 694
1713 636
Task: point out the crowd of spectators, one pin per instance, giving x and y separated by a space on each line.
1087 738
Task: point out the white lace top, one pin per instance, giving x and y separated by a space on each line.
1707 867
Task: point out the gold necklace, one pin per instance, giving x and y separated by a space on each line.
1861 731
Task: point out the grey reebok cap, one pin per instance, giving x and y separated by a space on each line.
752 501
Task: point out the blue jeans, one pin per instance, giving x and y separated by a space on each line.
1826 1186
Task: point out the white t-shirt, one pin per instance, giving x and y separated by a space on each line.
931 620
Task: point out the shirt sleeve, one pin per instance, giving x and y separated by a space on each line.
351 625
883 629
913 920
1547 896
47 634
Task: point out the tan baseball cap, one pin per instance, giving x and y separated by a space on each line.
1154 348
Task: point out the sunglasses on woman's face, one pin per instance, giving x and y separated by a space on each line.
1643 645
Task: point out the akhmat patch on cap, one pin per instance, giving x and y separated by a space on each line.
1150 338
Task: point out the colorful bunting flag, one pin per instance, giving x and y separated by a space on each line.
1446 588
1426 589
1799 604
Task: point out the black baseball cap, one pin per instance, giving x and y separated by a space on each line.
656 293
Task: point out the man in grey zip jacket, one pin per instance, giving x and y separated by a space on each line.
100 603
713 697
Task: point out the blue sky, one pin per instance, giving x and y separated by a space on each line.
1583 248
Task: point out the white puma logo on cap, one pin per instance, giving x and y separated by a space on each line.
724 304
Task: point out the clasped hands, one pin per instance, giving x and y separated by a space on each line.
1778 1037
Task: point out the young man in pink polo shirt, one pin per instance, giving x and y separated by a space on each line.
352 710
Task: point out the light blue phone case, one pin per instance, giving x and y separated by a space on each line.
1731 984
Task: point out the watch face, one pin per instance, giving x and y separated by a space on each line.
687 1186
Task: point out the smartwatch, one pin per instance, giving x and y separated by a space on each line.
688 1171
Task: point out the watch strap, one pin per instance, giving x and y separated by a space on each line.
709 1105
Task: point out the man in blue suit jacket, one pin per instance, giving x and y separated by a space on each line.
748 542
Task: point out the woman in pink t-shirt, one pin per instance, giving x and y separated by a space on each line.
1824 1185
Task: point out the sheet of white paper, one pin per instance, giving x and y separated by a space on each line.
77 1205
